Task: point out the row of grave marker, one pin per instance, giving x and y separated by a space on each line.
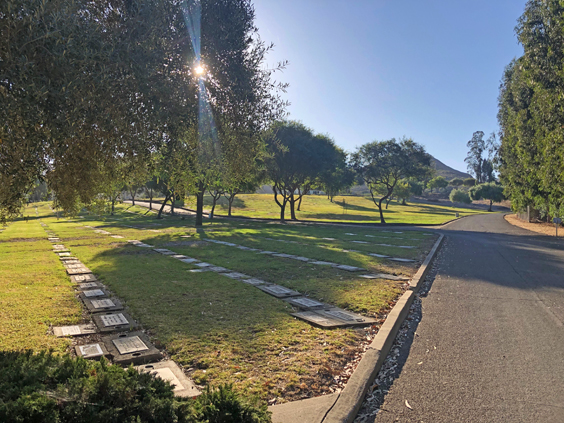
122 342
306 259
314 312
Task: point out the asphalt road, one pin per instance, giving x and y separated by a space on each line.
490 344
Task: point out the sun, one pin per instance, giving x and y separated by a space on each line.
199 70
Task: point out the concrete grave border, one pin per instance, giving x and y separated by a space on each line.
141 357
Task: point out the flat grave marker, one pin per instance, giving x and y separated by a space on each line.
78 271
306 303
279 291
169 371
236 275
103 304
74 330
131 348
89 277
349 268
189 260
254 281
402 260
323 263
89 285
114 322
202 264
91 350
218 269
63 254
378 255
284 255
179 256
267 252
321 321
304 259
91 293
347 316
385 276
69 264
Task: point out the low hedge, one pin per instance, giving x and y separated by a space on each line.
45 387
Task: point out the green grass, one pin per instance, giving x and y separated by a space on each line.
225 331
34 289
358 209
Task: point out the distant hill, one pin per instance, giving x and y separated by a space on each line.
446 171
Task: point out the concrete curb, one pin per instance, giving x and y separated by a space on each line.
417 280
350 399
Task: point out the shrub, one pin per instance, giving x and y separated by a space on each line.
459 196
48 388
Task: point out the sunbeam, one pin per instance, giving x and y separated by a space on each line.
208 142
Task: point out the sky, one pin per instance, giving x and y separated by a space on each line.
366 70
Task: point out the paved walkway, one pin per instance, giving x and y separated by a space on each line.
490 345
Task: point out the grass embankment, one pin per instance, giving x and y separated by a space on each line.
227 331
343 209
35 291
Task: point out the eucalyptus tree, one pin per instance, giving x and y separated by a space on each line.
531 113
383 164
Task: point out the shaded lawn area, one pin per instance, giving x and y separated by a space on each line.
225 331
35 291
343 209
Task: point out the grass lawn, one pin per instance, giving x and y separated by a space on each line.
222 330
35 291
355 209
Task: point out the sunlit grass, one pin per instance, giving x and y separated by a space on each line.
34 289
225 331
344 208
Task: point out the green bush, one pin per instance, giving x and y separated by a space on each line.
58 389
458 196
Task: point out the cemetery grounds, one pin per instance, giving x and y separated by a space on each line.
348 208
220 330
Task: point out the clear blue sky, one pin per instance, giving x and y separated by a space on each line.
365 70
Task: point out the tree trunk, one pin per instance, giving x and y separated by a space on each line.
172 200
299 199
213 207
281 205
150 199
230 201
292 207
388 202
491 202
162 207
282 209
200 206
403 203
132 193
382 220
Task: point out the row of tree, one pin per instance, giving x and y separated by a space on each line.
294 160
531 112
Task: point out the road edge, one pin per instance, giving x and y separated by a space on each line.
350 399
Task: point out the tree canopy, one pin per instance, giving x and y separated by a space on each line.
297 160
531 111
89 87
382 164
